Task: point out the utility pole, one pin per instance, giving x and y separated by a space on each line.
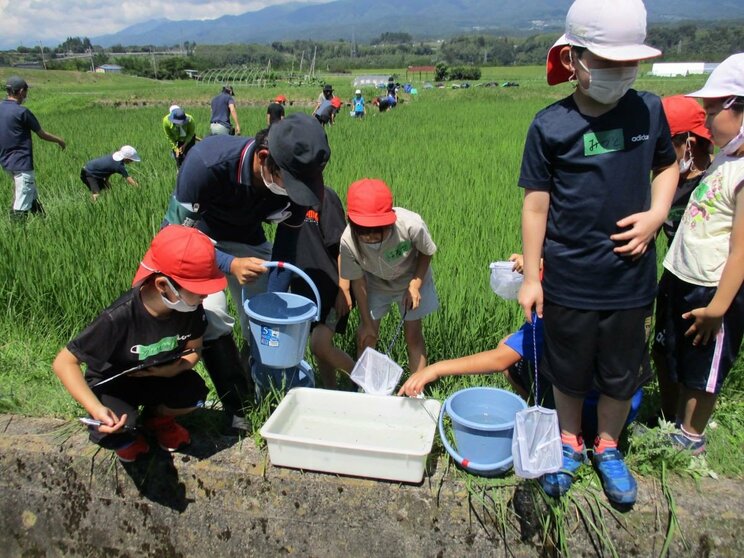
312 65
154 64
43 62
92 65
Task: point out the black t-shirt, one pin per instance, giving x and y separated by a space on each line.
16 146
275 112
318 244
597 171
679 204
216 179
126 335
105 166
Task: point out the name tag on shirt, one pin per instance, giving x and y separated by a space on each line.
596 143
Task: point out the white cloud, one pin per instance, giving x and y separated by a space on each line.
29 21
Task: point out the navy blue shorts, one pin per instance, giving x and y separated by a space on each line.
600 349
702 367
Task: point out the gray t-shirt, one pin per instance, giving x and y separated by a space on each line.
390 267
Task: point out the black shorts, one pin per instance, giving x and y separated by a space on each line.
95 185
604 349
702 367
126 394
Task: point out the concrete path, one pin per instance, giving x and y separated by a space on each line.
61 496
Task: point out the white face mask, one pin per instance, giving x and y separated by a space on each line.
738 140
686 163
373 245
180 305
608 85
273 187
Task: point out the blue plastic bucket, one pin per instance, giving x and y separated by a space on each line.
483 425
280 323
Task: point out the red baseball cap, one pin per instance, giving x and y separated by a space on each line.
685 114
369 203
187 256
280 99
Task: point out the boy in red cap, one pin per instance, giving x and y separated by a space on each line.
693 146
591 211
155 328
275 112
386 253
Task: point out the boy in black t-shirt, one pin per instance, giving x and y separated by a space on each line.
153 331
275 111
318 243
591 211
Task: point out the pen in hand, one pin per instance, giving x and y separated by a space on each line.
93 422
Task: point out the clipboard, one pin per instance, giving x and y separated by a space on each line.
146 365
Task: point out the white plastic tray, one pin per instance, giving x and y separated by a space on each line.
357 434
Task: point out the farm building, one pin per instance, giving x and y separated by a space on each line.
109 69
670 69
370 80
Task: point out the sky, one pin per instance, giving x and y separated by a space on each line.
27 22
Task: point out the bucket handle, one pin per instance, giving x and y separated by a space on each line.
302 274
466 463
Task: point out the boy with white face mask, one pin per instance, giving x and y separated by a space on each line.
154 328
591 211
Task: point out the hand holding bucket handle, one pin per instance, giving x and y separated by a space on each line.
302 274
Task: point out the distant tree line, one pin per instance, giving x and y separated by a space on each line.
460 56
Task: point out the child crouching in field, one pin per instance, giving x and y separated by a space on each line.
151 325
386 254
515 357
703 321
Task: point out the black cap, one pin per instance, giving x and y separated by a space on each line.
327 87
178 117
299 146
15 83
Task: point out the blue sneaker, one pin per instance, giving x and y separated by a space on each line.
617 480
557 484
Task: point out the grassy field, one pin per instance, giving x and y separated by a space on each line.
452 155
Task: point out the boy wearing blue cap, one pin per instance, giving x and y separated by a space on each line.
180 129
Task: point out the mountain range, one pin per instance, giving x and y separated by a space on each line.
422 19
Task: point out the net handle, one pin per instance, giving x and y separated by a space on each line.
397 333
534 352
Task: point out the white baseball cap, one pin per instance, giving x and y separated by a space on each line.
358 92
727 80
126 152
173 107
611 29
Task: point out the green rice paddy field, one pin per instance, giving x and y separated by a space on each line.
451 155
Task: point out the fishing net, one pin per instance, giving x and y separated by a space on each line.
376 373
